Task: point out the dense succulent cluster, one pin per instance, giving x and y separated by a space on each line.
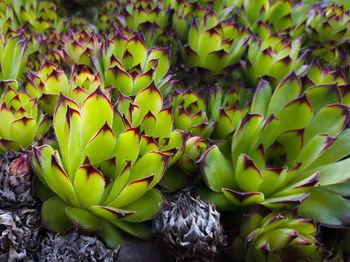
117 105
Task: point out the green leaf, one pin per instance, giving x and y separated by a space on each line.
217 171
96 111
110 234
295 115
321 96
119 79
242 199
338 150
247 175
261 98
101 146
249 127
149 99
288 90
164 123
132 192
326 207
138 230
329 120
152 163
146 206
22 130
54 215
89 185
83 219
129 139
334 173
120 182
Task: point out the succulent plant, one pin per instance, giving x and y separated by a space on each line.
275 57
21 120
214 45
80 47
190 113
142 11
227 107
316 75
277 14
127 66
280 149
324 24
97 180
277 236
38 16
195 147
189 228
51 80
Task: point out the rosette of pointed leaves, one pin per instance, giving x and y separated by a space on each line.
195 147
38 16
50 81
128 66
277 14
184 12
316 75
106 16
141 11
275 57
280 147
21 121
190 113
227 107
47 84
324 24
214 45
277 236
79 47
97 178
13 57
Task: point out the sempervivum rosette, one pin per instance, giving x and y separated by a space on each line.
275 56
128 66
277 236
97 181
281 150
22 121
214 45
190 113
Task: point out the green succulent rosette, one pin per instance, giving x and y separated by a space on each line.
194 148
283 149
190 113
277 236
21 121
214 45
99 180
324 24
276 16
276 57
128 66
138 12
227 107
51 81
79 47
